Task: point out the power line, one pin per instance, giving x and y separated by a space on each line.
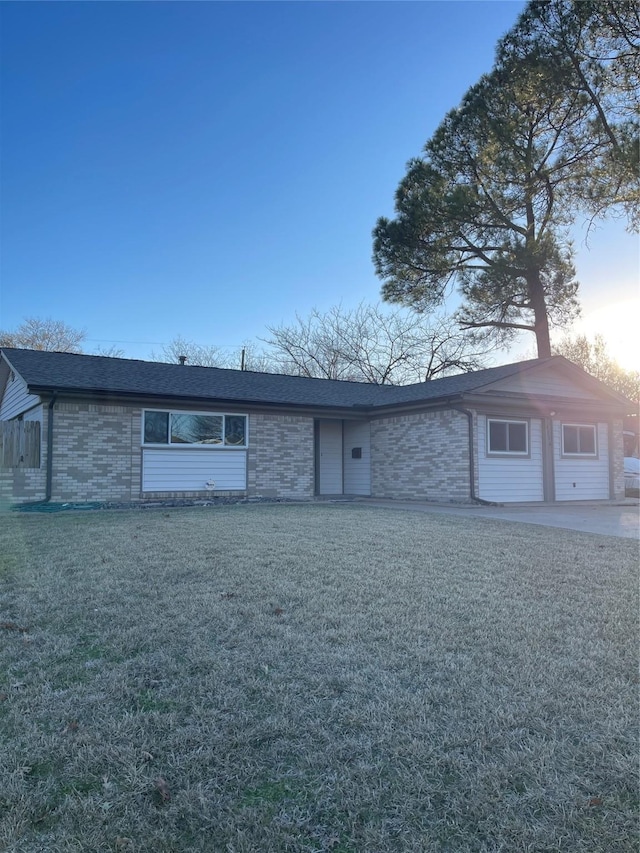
153 343
115 341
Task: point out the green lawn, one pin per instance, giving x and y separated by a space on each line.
315 678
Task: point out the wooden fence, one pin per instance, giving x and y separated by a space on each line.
19 444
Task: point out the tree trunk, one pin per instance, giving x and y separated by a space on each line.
541 320
534 283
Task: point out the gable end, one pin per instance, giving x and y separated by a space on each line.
561 379
15 398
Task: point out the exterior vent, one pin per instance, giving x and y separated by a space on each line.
182 359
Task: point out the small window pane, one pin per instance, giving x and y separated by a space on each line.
234 430
587 440
196 429
570 439
497 437
518 438
156 427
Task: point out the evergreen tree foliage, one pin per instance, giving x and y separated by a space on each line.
486 208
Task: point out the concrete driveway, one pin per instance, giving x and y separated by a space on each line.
606 519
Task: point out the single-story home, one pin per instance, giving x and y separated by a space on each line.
113 429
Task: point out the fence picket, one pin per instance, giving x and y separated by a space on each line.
19 444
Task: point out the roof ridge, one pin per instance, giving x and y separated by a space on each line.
97 375
517 366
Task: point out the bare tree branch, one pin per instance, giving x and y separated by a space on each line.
44 334
369 344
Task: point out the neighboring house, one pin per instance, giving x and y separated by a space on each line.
115 429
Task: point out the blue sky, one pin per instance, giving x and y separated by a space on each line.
207 169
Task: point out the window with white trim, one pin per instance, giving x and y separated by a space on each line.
511 437
194 428
579 440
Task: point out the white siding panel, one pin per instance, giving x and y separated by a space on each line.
542 381
16 399
357 472
581 479
34 415
330 462
508 479
181 470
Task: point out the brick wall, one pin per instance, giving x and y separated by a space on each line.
280 461
421 457
96 452
97 456
6 488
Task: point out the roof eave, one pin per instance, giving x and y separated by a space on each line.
545 404
443 402
159 399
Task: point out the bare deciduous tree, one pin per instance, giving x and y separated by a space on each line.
196 354
367 344
109 352
248 356
44 334
592 356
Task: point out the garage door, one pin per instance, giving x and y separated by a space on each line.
510 459
581 461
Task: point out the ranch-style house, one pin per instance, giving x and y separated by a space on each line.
113 429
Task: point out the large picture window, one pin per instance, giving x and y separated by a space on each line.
579 440
508 437
189 428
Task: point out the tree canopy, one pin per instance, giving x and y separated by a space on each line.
592 356
363 344
487 206
246 357
368 344
44 334
595 45
53 336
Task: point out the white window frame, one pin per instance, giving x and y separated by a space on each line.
520 454
591 454
168 445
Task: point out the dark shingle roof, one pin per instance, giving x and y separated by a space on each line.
92 374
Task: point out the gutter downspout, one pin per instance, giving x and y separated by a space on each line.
472 485
49 480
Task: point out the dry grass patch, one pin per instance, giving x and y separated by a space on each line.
315 678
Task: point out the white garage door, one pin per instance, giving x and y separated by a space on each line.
510 470
581 461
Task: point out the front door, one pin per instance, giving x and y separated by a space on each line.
329 465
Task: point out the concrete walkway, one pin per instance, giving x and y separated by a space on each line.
606 519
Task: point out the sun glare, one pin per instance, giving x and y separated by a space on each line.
619 325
